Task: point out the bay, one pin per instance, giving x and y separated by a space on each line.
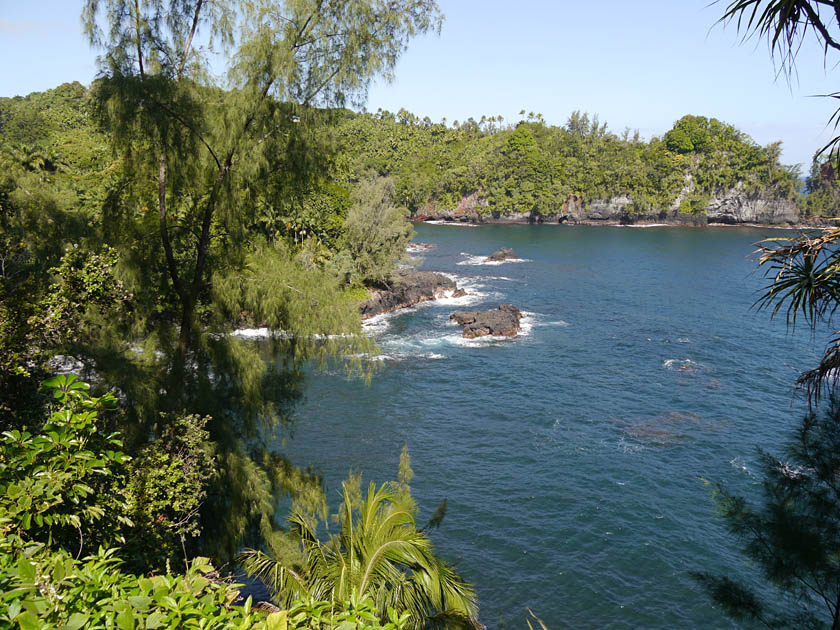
572 457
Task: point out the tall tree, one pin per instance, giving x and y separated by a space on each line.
194 160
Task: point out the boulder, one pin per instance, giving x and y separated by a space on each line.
506 253
499 322
407 290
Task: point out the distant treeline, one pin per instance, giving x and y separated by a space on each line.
530 166
512 167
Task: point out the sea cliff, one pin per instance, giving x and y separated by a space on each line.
733 207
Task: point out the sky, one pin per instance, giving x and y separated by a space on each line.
638 65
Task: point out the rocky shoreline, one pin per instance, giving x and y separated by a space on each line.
735 207
409 290
416 287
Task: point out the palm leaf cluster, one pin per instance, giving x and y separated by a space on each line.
804 273
380 554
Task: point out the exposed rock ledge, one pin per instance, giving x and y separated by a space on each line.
733 207
408 290
500 322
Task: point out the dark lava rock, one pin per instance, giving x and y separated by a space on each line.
500 322
506 253
407 290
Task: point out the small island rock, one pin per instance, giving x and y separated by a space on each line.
499 322
506 253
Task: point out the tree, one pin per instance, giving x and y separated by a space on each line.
376 234
183 216
793 535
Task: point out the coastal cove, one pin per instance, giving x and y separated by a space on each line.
571 456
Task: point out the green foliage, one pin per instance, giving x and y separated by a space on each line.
537 169
792 535
823 198
805 283
167 484
51 590
84 287
42 590
379 554
62 487
375 236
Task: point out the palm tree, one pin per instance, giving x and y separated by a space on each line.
380 554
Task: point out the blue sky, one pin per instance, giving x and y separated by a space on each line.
640 64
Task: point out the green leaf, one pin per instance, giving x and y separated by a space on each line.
140 602
154 620
76 621
277 621
14 610
125 620
28 621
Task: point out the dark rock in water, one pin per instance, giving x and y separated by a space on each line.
459 293
506 253
500 322
407 290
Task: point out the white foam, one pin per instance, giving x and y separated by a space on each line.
455 223
472 297
683 340
377 323
417 249
644 226
474 260
251 333
526 324
683 365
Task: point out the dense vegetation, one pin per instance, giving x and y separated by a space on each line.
532 167
143 220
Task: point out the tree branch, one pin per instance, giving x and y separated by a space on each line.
190 38
164 232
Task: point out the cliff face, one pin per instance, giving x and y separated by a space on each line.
732 208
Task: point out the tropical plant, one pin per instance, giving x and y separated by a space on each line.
805 282
792 536
379 553
61 487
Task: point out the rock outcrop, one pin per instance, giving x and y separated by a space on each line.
500 322
506 253
407 290
733 207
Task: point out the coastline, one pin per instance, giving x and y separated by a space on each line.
610 223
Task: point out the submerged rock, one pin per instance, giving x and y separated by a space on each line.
506 253
407 290
500 322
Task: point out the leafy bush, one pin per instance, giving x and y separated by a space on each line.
61 486
64 488
44 590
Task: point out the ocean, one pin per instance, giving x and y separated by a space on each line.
573 457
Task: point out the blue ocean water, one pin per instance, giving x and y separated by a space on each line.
572 457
